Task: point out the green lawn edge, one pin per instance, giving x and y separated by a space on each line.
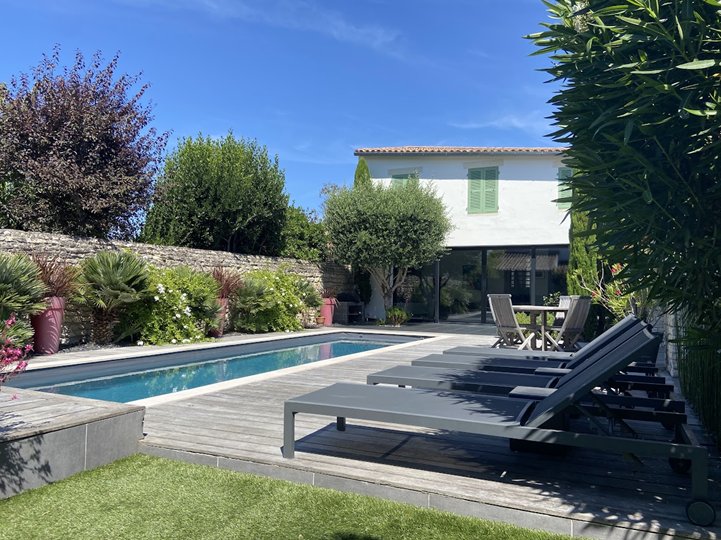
145 497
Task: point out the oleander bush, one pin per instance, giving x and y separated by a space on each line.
269 301
21 294
181 306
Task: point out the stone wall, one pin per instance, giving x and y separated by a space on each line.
73 249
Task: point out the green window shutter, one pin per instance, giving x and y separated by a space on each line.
399 180
483 190
490 191
564 191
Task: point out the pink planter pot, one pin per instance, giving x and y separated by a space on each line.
48 326
327 310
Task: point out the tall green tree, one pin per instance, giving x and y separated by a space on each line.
386 231
77 155
304 235
638 108
225 194
362 176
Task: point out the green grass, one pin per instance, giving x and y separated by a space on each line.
146 497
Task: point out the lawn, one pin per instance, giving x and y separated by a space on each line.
146 497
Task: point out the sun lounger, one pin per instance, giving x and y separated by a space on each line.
545 382
518 419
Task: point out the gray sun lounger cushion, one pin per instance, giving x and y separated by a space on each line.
491 382
668 412
622 326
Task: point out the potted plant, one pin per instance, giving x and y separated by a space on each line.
61 281
229 282
328 308
312 300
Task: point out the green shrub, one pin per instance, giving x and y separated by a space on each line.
110 282
21 293
181 307
396 316
269 301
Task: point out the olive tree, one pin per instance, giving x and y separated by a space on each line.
386 230
77 155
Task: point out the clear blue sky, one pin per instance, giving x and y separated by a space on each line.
310 79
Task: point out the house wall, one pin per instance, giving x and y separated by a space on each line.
526 188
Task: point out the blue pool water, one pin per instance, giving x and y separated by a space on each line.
154 382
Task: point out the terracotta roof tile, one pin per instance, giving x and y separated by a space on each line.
456 150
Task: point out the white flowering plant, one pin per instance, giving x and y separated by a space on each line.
269 301
181 308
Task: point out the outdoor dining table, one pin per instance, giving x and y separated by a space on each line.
534 312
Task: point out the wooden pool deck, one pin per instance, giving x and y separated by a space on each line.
582 494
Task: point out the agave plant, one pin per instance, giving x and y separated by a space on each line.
110 282
21 294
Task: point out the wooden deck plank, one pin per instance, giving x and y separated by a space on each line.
245 423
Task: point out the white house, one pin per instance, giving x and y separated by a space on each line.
509 233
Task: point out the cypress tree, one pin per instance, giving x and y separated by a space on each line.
362 177
583 256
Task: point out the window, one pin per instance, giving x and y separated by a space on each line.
402 180
399 180
483 190
564 173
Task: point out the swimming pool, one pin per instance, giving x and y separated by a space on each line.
132 379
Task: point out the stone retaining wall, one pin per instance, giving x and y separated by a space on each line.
73 249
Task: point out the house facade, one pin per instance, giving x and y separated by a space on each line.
509 233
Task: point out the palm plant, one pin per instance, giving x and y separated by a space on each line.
110 282
21 294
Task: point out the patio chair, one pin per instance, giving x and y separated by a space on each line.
573 324
519 418
510 332
564 301
479 350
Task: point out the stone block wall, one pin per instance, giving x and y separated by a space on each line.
73 249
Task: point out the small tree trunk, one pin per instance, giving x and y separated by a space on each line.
102 330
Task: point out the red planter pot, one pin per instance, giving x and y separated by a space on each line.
327 310
48 326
